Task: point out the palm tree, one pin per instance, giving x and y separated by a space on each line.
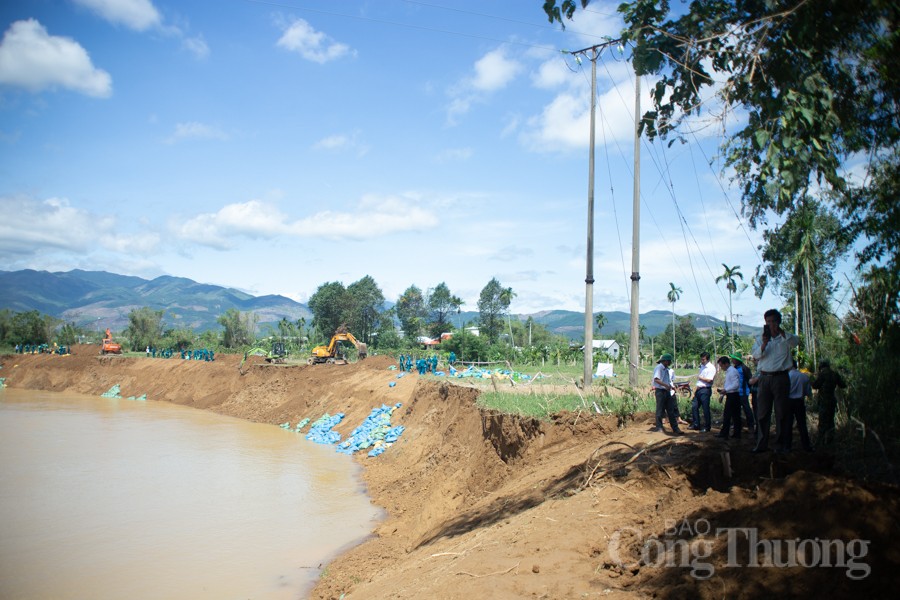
506 297
301 327
601 321
674 295
731 285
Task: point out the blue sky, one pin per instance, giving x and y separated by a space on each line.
276 146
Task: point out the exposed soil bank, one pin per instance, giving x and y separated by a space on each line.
481 504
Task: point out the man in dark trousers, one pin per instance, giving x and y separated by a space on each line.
800 390
738 361
732 390
665 402
772 351
704 391
826 383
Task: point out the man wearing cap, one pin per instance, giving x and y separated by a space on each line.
662 388
772 351
702 395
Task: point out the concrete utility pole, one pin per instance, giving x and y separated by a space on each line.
589 273
592 52
636 238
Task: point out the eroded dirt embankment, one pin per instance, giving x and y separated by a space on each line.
481 504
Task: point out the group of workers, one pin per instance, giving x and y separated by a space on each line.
423 365
41 349
186 354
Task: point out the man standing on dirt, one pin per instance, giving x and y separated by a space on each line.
662 388
826 382
731 388
738 361
674 394
797 409
702 395
772 351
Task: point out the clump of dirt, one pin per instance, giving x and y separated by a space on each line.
480 503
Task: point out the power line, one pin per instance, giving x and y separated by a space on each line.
612 196
728 200
399 24
506 19
682 221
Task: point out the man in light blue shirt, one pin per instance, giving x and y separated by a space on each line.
800 390
772 351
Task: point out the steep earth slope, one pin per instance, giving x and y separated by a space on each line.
480 504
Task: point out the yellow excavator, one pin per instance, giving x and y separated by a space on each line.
332 354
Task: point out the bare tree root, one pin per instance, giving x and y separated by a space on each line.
594 475
515 566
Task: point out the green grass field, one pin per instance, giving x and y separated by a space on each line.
542 391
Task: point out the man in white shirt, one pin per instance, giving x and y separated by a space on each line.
662 388
703 394
772 351
731 388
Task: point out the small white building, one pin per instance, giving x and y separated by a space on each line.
611 347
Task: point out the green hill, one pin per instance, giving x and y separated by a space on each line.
87 298
100 299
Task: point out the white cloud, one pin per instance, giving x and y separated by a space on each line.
142 15
139 15
552 74
333 142
374 217
193 130
342 142
253 219
32 59
31 227
30 223
196 46
492 72
593 26
316 46
564 123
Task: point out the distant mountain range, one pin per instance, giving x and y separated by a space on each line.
89 298
97 299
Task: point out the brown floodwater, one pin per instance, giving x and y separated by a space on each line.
112 498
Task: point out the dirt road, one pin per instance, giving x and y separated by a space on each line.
483 505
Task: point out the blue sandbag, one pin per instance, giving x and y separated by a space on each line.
322 431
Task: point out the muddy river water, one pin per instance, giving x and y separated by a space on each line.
112 498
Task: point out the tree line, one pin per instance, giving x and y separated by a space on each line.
816 159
